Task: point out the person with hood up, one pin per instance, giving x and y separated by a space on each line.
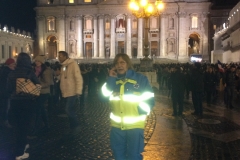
71 83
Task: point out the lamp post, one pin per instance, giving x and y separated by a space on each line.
144 9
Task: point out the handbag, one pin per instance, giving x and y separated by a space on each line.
26 87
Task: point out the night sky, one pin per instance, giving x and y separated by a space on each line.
18 14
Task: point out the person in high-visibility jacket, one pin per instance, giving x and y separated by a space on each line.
131 99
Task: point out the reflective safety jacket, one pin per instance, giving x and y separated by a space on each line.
131 100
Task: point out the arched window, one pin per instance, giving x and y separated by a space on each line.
51 24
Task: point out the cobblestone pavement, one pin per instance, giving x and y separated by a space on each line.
91 143
214 136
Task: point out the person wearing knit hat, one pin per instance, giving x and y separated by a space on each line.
45 77
40 58
10 63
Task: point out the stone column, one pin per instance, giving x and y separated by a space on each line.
101 37
129 36
204 48
182 53
61 30
41 30
80 36
113 34
140 38
163 41
95 36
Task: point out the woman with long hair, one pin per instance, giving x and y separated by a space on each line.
21 107
45 77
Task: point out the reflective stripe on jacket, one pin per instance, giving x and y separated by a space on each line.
131 100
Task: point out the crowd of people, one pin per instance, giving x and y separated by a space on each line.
66 82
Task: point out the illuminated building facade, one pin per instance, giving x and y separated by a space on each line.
227 39
99 29
13 42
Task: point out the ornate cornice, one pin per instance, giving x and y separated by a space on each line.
181 14
61 17
113 16
79 17
40 17
101 16
163 14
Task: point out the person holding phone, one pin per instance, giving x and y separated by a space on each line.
131 99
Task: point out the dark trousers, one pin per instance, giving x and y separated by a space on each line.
82 97
177 100
229 96
21 113
127 144
71 111
197 102
41 112
209 96
4 107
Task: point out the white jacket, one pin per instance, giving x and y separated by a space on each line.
70 79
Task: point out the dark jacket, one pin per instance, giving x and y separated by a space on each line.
4 72
197 80
229 78
22 70
177 82
210 81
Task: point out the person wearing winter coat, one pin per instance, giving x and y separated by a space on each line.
44 75
21 106
9 66
197 88
177 84
71 84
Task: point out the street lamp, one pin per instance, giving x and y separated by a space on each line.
144 9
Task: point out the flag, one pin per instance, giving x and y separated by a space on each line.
220 66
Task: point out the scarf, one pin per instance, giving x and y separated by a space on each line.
38 70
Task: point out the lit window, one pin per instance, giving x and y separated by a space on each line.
50 1
214 26
87 1
194 22
107 25
71 1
